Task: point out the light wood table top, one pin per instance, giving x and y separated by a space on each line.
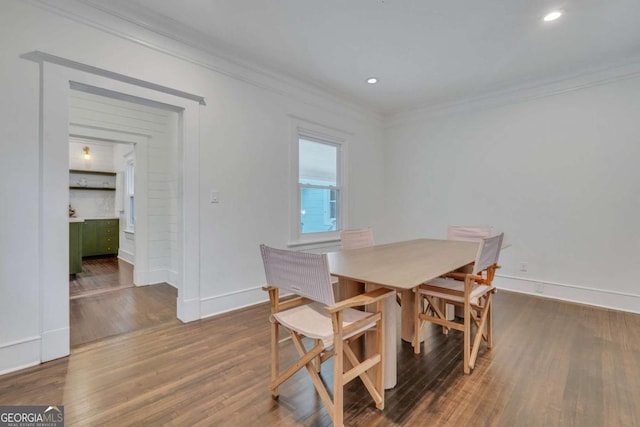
402 265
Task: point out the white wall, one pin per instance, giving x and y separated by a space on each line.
92 203
101 159
559 175
244 136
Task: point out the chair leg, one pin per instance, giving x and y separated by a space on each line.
417 322
489 322
275 366
443 309
338 373
479 333
381 351
307 361
318 360
467 329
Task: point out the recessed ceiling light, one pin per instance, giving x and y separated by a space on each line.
552 16
372 80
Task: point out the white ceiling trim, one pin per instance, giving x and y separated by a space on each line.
174 36
173 43
609 73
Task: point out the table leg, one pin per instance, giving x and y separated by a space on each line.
391 341
407 313
347 288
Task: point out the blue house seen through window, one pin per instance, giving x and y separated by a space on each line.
318 183
318 209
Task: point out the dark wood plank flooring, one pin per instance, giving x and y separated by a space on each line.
112 313
553 364
100 274
104 301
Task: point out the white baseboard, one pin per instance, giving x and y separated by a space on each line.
219 304
153 277
173 278
188 310
578 294
150 277
19 354
126 256
55 344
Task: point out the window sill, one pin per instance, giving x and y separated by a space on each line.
315 244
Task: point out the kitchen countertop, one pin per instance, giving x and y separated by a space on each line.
84 219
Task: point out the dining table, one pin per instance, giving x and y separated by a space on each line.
401 266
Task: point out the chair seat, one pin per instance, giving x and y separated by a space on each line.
456 285
311 320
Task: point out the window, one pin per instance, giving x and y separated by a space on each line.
129 205
319 186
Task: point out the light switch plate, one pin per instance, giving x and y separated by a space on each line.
215 196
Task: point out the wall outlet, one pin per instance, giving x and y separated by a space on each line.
538 287
524 266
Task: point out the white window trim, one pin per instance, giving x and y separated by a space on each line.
327 215
129 162
325 134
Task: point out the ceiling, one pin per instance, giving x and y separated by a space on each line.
424 52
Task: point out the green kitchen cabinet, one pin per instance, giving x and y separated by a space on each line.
89 238
100 237
75 247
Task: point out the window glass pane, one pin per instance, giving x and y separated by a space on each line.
318 210
318 163
132 215
130 177
333 205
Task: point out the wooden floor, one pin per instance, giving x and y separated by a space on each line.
104 302
553 364
99 275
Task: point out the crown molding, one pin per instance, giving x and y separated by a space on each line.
523 92
174 39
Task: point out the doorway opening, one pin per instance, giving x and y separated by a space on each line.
123 206
101 216
59 76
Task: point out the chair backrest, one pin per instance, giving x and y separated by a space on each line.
488 252
301 273
355 239
468 234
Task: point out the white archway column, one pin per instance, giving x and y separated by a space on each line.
53 225
188 293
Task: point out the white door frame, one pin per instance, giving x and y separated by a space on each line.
140 144
53 245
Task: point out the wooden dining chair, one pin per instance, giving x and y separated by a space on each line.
465 234
471 291
313 313
356 239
